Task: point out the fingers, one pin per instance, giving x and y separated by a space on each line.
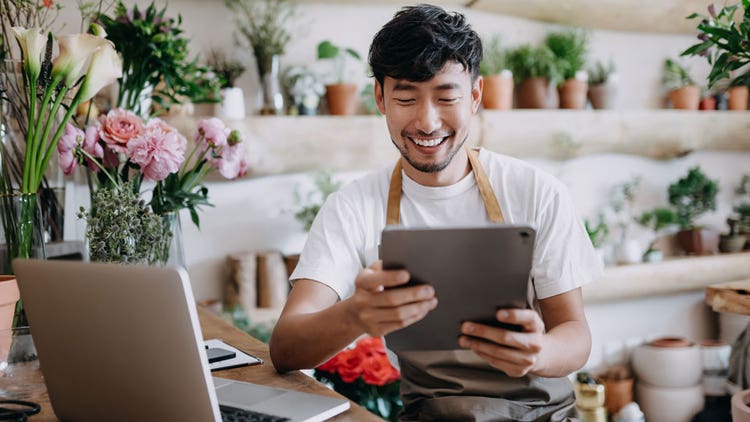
381 321
526 318
530 339
375 279
514 362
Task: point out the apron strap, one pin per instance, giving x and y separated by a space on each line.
393 210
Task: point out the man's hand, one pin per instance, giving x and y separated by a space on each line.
379 310
515 353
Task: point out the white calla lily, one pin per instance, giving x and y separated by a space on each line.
105 67
32 45
74 52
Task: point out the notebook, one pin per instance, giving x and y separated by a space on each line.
123 343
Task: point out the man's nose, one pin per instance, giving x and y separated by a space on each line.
428 118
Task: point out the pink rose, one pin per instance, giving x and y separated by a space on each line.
66 148
213 131
120 127
159 153
167 128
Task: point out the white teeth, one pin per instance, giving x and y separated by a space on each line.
428 142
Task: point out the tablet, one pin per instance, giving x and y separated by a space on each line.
474 270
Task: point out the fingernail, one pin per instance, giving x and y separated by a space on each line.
468 328
428 291
463 342
502 314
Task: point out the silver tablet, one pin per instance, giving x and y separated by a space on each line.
475 271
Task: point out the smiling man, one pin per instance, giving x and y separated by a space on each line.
425 62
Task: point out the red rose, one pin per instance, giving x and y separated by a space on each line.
377 370
330 365
374 345
350 365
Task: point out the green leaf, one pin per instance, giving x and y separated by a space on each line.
353 53
326 50
697 49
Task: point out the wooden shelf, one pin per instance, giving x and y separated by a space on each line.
677 275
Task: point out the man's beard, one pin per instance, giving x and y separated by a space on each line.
429 167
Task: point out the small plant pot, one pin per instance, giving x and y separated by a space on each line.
498 91
573 94
707 103
698 241
232 105
629 252
342 99
731 244
537 93
602 96
685 98
737 98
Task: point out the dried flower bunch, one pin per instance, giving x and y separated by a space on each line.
227 69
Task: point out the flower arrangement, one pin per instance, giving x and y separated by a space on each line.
364 375
153 51
122 150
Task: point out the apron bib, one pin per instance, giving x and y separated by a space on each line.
457 385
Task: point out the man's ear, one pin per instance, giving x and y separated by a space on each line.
476 93
379 100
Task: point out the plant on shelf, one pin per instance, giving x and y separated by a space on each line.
742 207
324 186
305 89
598 234
657 220
691 197
498 78
341 96
364 375
536 71
681 89
232 105
627 249
570 49
156 67
602 84
262 26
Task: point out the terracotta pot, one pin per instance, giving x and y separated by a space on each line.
9 295
698 241
617 393
602 96
685 98
737 97
498 92
537 93
573 94
342 99
707 103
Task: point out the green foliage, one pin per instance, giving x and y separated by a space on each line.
122 228
600 72
227 69
743 191
384 401
675 75
533 62
262 24
328 50
657 220
153 50
239 318
325 186
597 233
570 49
724 42
692 196
494 60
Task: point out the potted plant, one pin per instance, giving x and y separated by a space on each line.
691 197
598 234
602 84
262 24
627 250
682 90
570 49
658 220
305 89
536 73
498 79
341 96
742 207
732 241
232 105
723 41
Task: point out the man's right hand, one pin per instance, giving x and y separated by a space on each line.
379 310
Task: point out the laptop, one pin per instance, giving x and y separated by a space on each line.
123 343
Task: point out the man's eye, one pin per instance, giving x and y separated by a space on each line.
448 100
404 100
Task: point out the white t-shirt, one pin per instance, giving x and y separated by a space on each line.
346 233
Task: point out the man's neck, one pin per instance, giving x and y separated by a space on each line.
455 171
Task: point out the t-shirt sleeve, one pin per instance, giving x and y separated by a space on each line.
331 255
564 258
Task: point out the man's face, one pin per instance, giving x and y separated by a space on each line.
429 121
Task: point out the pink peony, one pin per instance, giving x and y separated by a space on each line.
167 128
120 127
158 152
92 146
66 148
232 163
213 132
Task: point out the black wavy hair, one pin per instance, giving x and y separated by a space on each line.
420 40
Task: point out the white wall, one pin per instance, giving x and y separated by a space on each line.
639 56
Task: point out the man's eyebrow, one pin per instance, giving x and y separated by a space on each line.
447 86
405 86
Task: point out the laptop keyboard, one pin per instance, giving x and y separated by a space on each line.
234 414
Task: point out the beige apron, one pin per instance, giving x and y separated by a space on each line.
457 385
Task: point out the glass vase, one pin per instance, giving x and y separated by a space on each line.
171 251
20 374
273 98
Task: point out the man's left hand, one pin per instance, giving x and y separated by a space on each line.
514 352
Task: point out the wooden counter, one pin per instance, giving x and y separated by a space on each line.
29 386
732 297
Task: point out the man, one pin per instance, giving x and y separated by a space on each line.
425 63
